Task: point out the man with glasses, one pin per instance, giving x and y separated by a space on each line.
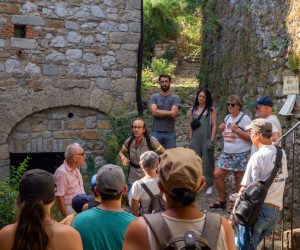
164 107
263 107
260 167
69 179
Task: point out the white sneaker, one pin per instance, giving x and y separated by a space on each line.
209 190
233 197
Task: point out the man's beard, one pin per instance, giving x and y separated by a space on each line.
165 88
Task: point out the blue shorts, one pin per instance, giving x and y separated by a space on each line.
166 139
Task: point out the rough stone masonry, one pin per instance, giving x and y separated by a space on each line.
73 66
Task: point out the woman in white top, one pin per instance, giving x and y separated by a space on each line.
237 148
148 163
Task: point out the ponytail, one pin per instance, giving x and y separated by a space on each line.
30 233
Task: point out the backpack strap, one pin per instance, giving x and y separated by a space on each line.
144 186
239 120
211 229
159 228
226 118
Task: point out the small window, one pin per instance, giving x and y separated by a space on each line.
20 31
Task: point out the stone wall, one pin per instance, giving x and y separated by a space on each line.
76 52
248 49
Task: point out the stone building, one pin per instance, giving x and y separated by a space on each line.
65 66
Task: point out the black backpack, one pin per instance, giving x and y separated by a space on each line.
157 203
190 240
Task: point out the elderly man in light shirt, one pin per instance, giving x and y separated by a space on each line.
69 179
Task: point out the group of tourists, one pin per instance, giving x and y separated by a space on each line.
161 172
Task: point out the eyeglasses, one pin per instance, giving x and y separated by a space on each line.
231 104
82 154
137 127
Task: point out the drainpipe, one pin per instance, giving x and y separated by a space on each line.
139 66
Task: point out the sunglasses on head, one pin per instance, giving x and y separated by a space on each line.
231 104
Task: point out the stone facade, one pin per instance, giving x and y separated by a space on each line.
78 55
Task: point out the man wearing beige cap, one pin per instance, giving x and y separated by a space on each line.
260 167
181 179
104 227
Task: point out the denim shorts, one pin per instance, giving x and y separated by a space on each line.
166 139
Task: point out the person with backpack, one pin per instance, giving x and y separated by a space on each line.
260 168
183 223
145 191
236 151
138 143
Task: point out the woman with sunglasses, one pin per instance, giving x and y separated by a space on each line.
139 142
236 151
202 133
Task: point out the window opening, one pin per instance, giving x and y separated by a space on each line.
20 31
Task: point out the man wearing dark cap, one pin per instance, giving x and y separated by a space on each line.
181 179
260 167
104 226
263 107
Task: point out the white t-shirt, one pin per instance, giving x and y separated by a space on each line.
276 128
138 193
181 226
260 167
232 142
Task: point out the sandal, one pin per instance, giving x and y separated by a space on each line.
218 204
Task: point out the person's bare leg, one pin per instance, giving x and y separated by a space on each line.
219 175
238 179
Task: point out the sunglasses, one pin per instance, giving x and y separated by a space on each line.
231 104
82 154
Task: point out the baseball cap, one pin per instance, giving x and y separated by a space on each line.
261 125
110 179
263 100
180 168
37 183
79 200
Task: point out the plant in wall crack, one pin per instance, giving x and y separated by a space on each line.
8 193
294 62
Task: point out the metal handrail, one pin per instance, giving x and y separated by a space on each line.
283 137
287 133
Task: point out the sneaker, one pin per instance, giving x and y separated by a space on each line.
233 197
209 190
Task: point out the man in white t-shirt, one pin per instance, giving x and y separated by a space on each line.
260 167
263 107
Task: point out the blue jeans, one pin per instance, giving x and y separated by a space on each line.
249 238
166 139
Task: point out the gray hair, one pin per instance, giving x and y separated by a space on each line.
71 150
149 160
236 99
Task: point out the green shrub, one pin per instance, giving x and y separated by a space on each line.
8 193
160 66
294 62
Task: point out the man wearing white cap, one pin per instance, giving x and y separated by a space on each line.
260 167
104 227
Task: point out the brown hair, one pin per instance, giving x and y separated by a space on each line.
165 75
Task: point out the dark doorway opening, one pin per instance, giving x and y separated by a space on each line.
46 161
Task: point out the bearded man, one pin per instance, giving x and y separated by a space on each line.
164 107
